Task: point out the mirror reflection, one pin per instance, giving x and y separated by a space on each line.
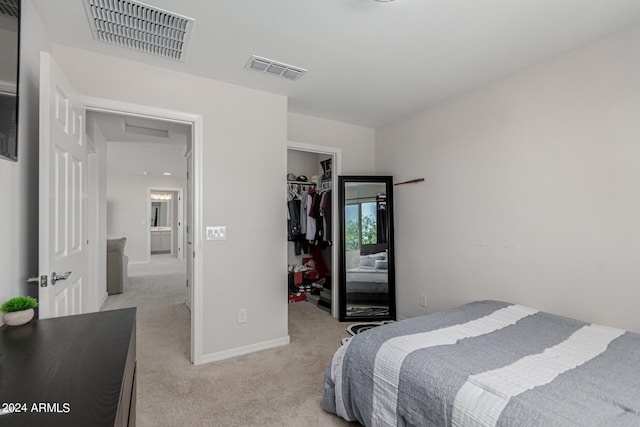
159 214
366 240
9 53
163 215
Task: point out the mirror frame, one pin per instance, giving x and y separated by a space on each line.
342 288
10 151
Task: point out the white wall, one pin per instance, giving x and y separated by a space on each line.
356 142
19 189
303 163
531 191
127 209
244 148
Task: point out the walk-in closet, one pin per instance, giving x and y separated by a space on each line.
310 226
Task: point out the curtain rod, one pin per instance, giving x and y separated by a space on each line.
412 181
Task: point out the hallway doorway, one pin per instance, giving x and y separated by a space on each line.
145 157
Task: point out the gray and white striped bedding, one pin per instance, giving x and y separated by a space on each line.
487 363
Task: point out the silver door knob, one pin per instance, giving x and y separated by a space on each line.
55 277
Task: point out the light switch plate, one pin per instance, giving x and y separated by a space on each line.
218 232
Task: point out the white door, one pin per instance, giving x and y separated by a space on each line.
63 178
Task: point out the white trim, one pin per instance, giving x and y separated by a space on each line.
337 170
92 260
143 111
240 351
197 292
196 121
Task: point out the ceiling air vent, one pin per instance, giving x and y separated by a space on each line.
269 66
9 8
138 26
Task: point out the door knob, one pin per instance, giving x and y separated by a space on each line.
55 277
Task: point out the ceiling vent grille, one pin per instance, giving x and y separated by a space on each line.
269 66
137 26
9 8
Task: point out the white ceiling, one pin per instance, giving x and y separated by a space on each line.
133 146
369 62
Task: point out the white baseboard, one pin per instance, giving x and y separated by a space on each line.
240 351
398 317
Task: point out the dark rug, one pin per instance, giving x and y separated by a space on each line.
358 328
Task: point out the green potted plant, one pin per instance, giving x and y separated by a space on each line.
18 310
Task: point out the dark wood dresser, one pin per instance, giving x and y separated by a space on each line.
70 371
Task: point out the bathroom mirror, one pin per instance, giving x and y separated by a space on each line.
160 213
367 279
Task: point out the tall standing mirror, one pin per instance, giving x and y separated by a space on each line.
367 279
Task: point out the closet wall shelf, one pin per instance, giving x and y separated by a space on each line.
302 183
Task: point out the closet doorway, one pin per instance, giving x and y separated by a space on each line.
312 250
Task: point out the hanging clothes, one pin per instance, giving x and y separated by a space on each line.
311 215
296 217
381 218
325 214
293 211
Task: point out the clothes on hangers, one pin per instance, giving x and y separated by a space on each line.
296 199
312 196
308 217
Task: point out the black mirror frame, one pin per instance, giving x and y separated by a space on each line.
342 312
11 152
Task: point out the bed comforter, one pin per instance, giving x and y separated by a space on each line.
487 363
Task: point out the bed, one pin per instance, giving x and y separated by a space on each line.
487 363
369 281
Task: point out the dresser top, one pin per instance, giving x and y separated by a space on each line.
65 371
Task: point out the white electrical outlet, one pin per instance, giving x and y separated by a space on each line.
423 300
242 315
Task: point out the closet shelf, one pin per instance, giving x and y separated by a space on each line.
301 183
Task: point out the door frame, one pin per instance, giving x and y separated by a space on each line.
95 295
335 235
196 121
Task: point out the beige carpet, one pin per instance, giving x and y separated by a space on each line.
278 387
